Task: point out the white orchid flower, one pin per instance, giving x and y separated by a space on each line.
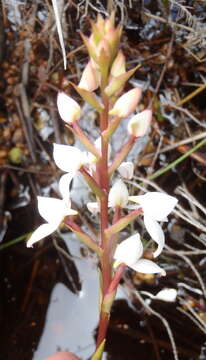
69 158
156 206
53 211
118 196
130 253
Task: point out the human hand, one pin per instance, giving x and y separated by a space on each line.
63 355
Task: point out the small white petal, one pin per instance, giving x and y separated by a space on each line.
68 158
126 103
41 232
147 267
118 195
140 123
156 204
93 207
130 250
126 170
97 143
69 109
51 209
156 233
169 295
64 185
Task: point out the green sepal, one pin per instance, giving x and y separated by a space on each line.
122 223
90 47
98 353
89 97
118 82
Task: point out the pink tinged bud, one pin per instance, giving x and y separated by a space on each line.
127 103
118 195
69 109
89 78
118 66
126 170
139 124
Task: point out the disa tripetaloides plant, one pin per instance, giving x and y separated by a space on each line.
106 71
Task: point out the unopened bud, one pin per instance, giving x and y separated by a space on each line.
118 66
126 170
139 124
127 103
118 195
69 109
89 79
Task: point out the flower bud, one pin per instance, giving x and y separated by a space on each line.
118 66
118 195
89 79
127 103
139 124
68 108
126 170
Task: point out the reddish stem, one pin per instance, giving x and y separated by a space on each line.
104 317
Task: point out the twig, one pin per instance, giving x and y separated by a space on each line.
164 321
169 52
193 268
191 95
25 130
183 142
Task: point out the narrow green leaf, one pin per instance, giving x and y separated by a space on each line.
98 353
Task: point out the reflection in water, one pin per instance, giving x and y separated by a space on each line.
72 319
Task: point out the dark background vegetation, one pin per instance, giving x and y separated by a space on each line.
168 39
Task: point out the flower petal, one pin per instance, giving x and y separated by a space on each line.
156 233
69 109
147 267
130 250
64 184
93 207
127 103
126 169
51 209
68 158
89 80
97 143
41 232
156 204
140 123
118 195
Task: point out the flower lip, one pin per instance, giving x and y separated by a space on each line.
130 253
118 195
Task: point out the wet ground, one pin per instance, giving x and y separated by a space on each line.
168 39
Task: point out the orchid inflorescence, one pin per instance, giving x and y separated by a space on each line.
106 70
